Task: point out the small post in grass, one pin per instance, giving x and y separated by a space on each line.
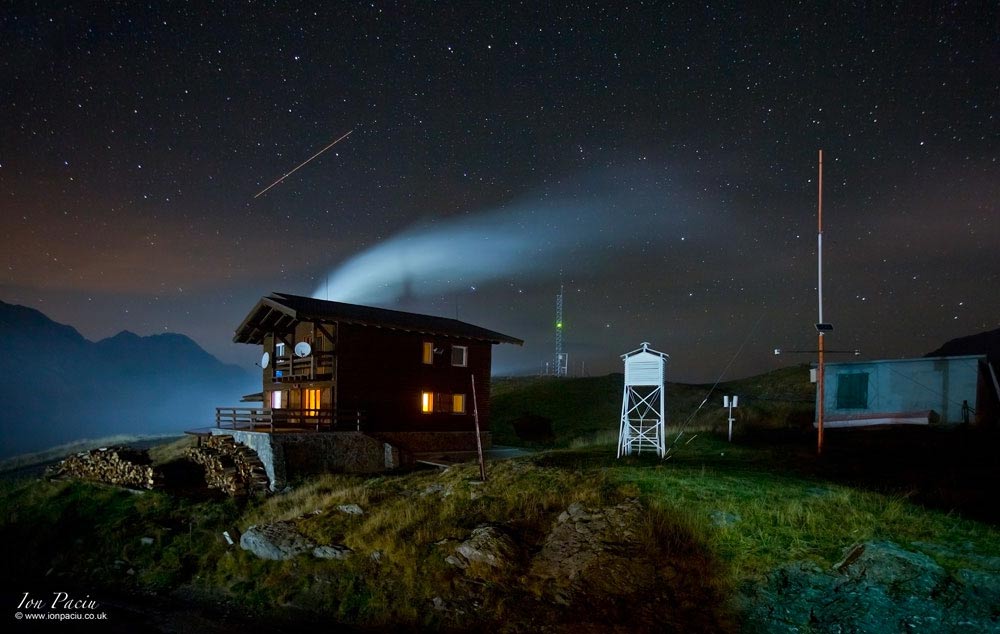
730 402
479 440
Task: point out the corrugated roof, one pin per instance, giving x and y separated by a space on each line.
966 357
281 309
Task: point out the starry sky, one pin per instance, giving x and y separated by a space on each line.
658 158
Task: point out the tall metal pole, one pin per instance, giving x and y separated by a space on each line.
819 287
479 440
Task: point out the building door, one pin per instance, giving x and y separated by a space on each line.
312 401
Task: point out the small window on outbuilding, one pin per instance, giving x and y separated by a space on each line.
428 352
852 390
460 356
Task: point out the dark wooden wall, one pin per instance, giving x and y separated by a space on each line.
381 371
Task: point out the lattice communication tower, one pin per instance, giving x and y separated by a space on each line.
562 359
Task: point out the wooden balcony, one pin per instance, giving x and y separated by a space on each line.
267 419
318 365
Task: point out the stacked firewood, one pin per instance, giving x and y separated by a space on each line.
233 468
120 466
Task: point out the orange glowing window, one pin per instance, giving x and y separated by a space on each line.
426 402
428 356
458 403
311 399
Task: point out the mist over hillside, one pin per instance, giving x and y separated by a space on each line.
58 386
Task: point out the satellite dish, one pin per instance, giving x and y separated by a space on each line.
265 359
302 349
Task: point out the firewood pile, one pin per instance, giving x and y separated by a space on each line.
120 466
233 468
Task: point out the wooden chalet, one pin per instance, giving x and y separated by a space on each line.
403 377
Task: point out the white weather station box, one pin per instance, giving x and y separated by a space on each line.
643 421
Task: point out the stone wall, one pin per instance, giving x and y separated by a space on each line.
415 442
288 456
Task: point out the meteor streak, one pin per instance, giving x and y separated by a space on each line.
303 163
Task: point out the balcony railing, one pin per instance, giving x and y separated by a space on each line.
293 368
270 419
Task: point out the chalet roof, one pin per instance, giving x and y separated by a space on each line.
280 311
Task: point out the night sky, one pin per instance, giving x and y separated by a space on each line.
661 158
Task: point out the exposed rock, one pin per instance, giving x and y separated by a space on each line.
475 489
277 541
878 587
594 572
350 509
961 551
902 572
436 489
980 592
332 552
721 518
487 545
282 540
581 538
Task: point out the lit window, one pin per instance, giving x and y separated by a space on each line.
458 403
276 400
428 352
279 349
312 399
459 355
426 402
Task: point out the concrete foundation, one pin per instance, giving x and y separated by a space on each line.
289 455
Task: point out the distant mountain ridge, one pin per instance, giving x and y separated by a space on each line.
987 343
59 386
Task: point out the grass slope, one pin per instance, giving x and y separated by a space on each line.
586 410
718 516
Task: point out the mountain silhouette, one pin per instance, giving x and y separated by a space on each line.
58 386
987 343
